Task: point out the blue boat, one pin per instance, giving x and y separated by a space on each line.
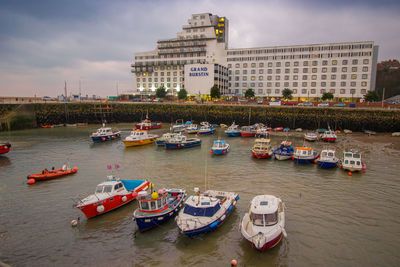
304 155
181 141
205 212
284 151
158 207
105 134
161 141
206 129
328 159
233 130
220 147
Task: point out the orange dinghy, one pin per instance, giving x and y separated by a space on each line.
47 175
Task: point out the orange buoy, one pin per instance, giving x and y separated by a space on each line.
211 152
233 262
31 181
340 166
224 152
350 174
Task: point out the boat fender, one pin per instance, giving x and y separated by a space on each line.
237 198
100 208
234 203
284 232
230 208
31 181
214 224
350 174
123 198
103 139
364 166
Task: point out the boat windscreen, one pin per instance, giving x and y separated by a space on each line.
99 189
356 156
107 188
271 219
257 219
195 211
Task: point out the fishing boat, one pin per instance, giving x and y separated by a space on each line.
284 151
304 155
105 134
157 207
264 224
52 174
369 132
192 129
179 126
278 129
352 161
205 212
5 148
146 124
328 159
161 140
233 130
111 194
311 136
329 136
206 129
248 131
220 147
181 141
321 131
263 131
286 129
346 131
46 126
139 138
262 148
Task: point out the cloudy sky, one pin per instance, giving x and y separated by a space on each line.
44 42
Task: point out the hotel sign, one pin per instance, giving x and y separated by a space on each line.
201 71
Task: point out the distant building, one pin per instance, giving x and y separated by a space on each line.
344 69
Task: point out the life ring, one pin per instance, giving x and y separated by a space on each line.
100 208
123 198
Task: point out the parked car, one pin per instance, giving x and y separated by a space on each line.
275 103
260 101
352 105
305 104
340 105
324 104
289 103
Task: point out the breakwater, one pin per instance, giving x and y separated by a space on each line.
293 117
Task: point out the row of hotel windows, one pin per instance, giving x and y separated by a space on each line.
304 77
175 79
305 70
303 84
303 56
278 92
300 49
167 85
296 63
175 73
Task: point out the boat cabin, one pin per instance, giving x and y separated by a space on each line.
138 134
352 158
304 151
328 153
202 206
219 144
104 131
149 205
264 210
109 187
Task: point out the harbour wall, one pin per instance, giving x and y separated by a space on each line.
355 119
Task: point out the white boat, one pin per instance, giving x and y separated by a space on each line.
105 134
233 130
179 126
328 159
329 136
264 224
165 137
192 129
262 148
205 212
310 136
352 161
139 138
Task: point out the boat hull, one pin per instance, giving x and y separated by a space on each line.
329 139
219 151
52 175
233 134
282 157
206 132
327 164
160 143
263 155
247 134
5 148
147 223
270 244
139 142
105 137
183 145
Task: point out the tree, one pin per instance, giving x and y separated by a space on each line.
249 93
327 96
287 93
214 92
371 96
161 92
182 94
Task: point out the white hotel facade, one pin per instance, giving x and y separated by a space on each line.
199 57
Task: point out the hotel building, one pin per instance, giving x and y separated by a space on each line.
199 57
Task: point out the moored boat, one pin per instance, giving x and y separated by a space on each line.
157 207
192 129
311 136
181 141
205 212
146 124
52 174
161 140
263 131
284 151
206 129
179 126
328 159
264 224
233 130
304 155
139 138
352 161
5 148
248 131
278 129
369 132
220 147
329 136
262 148
105 134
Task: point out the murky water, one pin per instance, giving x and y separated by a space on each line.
332 219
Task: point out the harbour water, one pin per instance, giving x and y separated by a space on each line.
332 219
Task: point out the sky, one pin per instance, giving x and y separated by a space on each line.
46 42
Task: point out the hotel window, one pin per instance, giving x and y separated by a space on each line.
355 61
237 78
168 85
333 77
260 71
244 91
363 91
244 65
237 91
365 69
314 70
168 67
334 69
162 73
325 62
168 79
344 69
296 70
294 91
229 65
269 71
296 63
304 84
162 68
287 70
253 71
366 61
175 79
286 77
295 84
277 91
323 84
260 91
352 84
315 63
305 70
236 84
269 64
365 76
244 78
278 71
322 91
156 85
313 77
155 73
138 85
155 68
277 77
144 79
304 91
269 77
269 91
175 73
345 62
334 62
354 69
156 79
237 65
269 84
138 80
332 91
313 91
313 84
305 63
253 78
150 80
354 76
323 77
260 78
252 85
295 77
278 64
260 84
343 76
253 65
343 84
287 64
174 85
277 84
261 65
244 71
244 84
286 84
305 77
342 91
324 70
333 84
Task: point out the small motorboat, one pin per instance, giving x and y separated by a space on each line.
328 159
352 161
286 129
139 138
206 129
220 147
248 131
111 194
264 224
304 155
329 136
181 141
52 174
299 130
262 148
396 134
233 130
311 136
146 124
46 126
346 131
284 151
105 134
161 140
278 129
321 131
205 212
369 132
157 207
179 126
5 148
192 129
263 131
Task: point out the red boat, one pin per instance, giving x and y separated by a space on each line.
47 175
278 129
248 131
111 194
4 148
148 125
262 149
